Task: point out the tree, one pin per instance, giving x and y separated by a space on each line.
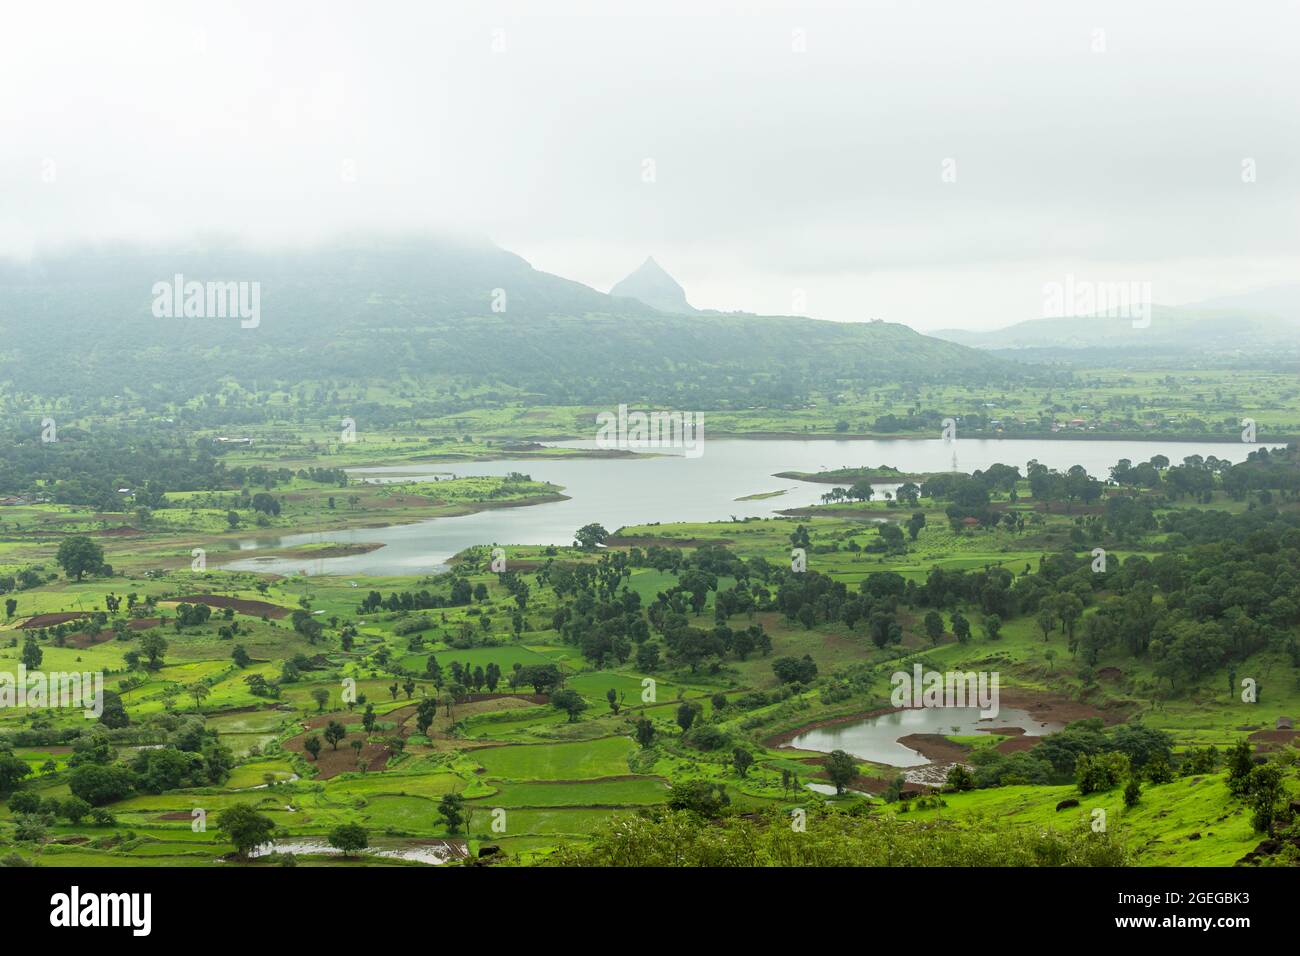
934 626
569 701
591 535
1241 763
992 627
322 697
615 701
199 691
701 796
425 712
959 778
1132 792
240 656
312 746
452 810
32 653
840 769
1267 795
99 784
245 828
685 716
349 838
914 523
75 809
645 733
335 732
960 627
11 605
741 759
793 670
78 556
892 536
154 646
12 771
232 519
1046 620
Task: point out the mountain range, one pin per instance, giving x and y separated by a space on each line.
467 315
1261 324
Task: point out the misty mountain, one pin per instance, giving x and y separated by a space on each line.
476 321
1222 329
653 286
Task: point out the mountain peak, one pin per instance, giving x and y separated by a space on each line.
655 287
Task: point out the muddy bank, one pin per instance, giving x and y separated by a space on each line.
1058 707
935 748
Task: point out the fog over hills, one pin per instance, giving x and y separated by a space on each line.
425 308
1263 324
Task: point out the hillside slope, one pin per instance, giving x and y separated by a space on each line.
430 311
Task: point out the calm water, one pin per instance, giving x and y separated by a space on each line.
669 488
876 738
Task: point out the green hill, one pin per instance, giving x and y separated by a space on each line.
470 317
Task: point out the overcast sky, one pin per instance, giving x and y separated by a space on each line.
758 150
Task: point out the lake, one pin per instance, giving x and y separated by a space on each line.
876 738
668 488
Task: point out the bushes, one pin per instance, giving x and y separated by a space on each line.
834 838
707 737
99 784
1101 772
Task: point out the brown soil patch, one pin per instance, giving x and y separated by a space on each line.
1014 745
143 623
1110 673
1267 741
241 605
49 620
1059 708
331 762
175 815
935 748
81 641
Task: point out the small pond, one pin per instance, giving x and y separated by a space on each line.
876 738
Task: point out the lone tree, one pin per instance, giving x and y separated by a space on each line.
645 732
841 769
349 838
591 535
569 701
322 697
741 759
245 828
452 810
78 556
334 733
312 746
32 653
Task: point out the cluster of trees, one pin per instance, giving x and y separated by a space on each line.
190 757
460 593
